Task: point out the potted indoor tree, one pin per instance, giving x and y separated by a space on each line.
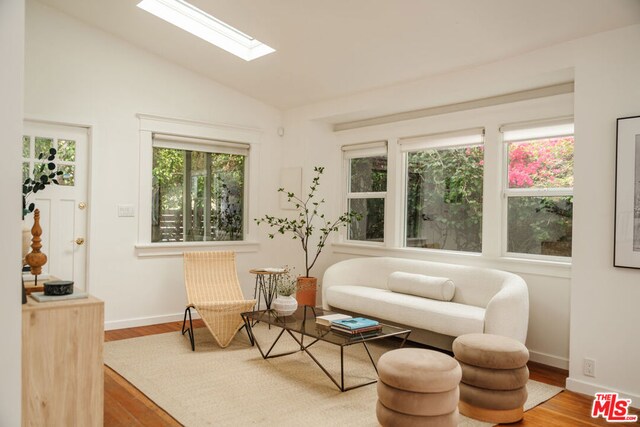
311 228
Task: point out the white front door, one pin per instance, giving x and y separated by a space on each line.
63 208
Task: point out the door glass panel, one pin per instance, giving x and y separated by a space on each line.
25 171
26 147
43 145
66 150
68 177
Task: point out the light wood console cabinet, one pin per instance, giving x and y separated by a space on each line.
62 366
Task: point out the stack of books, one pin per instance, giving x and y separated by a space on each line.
327 319
357 326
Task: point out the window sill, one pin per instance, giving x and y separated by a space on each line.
178 248
362 244
515 265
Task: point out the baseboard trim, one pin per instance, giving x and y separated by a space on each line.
146 321
549 359
590 389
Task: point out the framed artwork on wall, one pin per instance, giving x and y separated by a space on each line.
627 210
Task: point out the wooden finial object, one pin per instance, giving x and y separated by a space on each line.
35 258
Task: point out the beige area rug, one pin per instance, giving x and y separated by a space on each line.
236 387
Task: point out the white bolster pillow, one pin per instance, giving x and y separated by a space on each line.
439 288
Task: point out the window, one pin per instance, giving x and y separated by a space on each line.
34 146
443 188
366 189
539 188
198 190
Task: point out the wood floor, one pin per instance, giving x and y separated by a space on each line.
124 405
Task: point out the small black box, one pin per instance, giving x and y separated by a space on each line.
58 287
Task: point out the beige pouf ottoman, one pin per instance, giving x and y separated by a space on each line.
494 377
417 388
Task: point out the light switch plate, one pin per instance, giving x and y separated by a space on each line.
126 211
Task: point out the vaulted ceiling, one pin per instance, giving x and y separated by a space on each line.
332 48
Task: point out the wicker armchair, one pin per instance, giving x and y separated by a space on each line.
214 291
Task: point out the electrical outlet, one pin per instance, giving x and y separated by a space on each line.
589 367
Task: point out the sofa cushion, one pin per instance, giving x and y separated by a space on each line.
420 285
444 317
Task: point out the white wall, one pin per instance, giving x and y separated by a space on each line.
11 102
77 74
605 313
594 301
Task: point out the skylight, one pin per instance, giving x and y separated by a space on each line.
201 24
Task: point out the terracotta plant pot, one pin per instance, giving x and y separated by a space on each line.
306 291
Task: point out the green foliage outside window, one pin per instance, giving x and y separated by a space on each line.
540 225
367 174
216 183
444 199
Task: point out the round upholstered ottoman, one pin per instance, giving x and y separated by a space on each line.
494 377
417 388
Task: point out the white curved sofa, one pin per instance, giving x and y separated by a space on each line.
485 300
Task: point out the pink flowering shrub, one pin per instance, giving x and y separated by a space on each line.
542 163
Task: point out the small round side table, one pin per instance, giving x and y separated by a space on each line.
266 286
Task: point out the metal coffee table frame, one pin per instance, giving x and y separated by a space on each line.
319 334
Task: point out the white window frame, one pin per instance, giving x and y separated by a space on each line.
490 118
191 133
208 147
522 132
443 140
360 151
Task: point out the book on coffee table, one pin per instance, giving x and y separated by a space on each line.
367 330
328 318
354 323
364 335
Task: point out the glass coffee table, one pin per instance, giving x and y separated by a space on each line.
303 322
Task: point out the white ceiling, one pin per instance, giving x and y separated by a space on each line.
332 48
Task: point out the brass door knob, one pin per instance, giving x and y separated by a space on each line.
80 241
